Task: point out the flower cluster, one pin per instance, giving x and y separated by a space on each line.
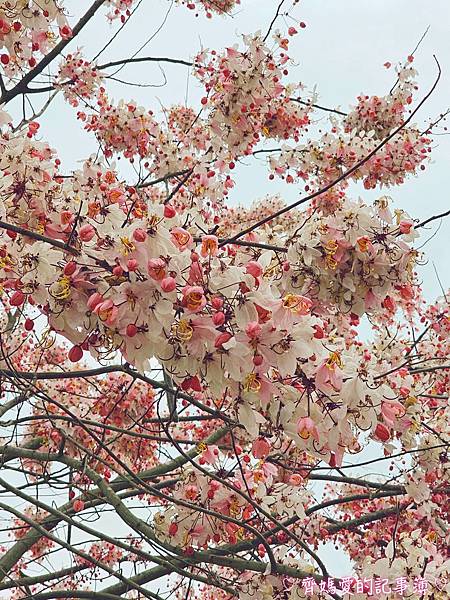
325 161
246 97
385 113
218 320
187 527
251 320
28 32
349 142
355 258
119 411
78 78
38 550
220 7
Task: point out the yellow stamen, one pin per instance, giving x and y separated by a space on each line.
128 246
331 247
201 447
295 303
363 244
331 263
62 291
183 331
234 508
48 339
5 262
335 359
410 401
252 383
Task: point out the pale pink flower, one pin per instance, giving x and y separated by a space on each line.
307 428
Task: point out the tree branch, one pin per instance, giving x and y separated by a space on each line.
41 238
22 86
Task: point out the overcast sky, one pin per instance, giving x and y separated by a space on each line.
341 51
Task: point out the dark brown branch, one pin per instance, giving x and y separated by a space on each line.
369 518
29 580
252 245
319 107
41 238
178 187
115 63
52 375
388 457
440 216
44 532
277 14
161 179
126 61
430 369
76 594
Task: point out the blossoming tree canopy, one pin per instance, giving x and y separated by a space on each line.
184 381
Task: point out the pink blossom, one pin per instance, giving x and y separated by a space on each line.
329 374
307 428
391 411
193 298
106 311
260 448
210 245
181 238
168 284
156 268
254 269
86 232
253 330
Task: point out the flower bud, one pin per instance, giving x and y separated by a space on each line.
139 235
218 319
216 302
131 330
86 232
258 360
17 299
221 339
75 353
29 325
70 268
78 505
132 264
382 433
253 330
95 299
168 284
169 211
